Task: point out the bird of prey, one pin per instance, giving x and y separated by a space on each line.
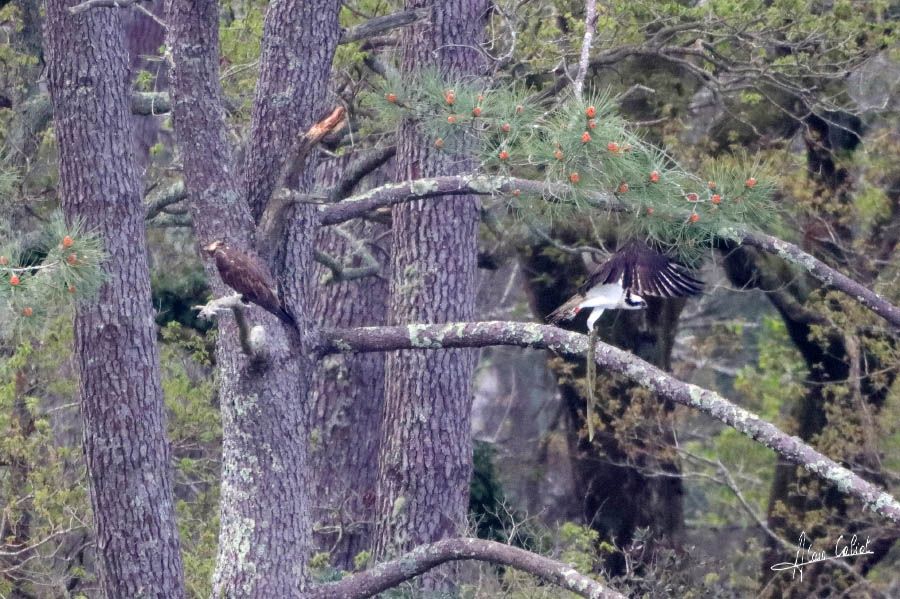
246 276
622 282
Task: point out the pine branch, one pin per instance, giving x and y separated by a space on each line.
396 193
425 557
521 334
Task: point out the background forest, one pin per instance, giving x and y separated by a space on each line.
800 96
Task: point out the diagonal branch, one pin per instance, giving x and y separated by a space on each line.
522 334
423 558
396 193
825 274
590 23
377 25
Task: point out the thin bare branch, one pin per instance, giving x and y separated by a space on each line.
590 23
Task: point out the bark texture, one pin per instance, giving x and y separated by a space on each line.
265 534
115 337
347 392
299 39
425 461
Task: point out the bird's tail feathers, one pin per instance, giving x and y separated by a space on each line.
567 311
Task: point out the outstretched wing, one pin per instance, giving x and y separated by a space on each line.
644 271
656 275
245 276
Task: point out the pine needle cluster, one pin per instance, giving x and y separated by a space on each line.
37 285
585 148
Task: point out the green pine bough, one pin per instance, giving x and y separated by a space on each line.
37 283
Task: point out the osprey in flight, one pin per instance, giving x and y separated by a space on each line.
243 274
624 279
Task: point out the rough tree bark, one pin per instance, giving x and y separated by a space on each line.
299 39
265 532
347 392
115 338
425 461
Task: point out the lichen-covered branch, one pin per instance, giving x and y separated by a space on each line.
158 201
590 23
89 4
252 339
425 557
523 334
397 193
825 274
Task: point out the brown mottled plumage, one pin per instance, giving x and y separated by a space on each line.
243 274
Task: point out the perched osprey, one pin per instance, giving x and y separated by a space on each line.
243 274
624 279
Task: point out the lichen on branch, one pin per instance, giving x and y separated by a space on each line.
665 386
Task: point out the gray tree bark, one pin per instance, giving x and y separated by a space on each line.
128 456
347 393
265 535
299 39
425 460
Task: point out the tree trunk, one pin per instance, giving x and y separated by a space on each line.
425 461
128 456
347 391
265 536
299 40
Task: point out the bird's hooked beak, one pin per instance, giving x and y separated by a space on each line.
212 247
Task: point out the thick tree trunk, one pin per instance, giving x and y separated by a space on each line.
347 390
299 40
128 456
425 461
265 536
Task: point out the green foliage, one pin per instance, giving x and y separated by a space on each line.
42 476
195 432
240 41
774 382
43 480
489 511
31 292
582 149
